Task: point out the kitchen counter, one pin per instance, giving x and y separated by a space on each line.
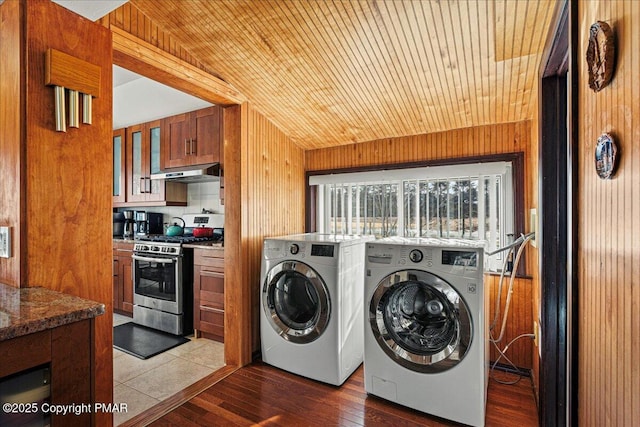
25 311
204 245
122 240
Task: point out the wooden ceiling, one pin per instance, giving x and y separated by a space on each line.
336 72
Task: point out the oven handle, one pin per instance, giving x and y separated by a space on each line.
158 260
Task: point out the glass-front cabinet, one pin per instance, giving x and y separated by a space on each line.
143 159
119 192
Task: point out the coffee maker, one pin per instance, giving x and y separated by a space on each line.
147 223
128 225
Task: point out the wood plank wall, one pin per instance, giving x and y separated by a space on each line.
609 228
478 141
272 199
518 320
12 170
128 18
533 266
68 205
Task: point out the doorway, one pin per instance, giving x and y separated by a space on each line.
557 202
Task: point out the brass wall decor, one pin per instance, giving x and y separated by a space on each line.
601 55
78 77
606 156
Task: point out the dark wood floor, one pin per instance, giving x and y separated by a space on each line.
262 395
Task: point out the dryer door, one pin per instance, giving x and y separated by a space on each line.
296 302
420 321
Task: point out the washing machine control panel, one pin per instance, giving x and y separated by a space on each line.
294 249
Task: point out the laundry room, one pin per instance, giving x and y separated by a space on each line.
377 212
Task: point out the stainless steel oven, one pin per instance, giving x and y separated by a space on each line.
162 287
163 276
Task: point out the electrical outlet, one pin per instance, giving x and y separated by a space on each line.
5 242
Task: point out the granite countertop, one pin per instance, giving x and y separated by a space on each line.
24 311
204 245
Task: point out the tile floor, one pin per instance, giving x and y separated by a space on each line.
142 384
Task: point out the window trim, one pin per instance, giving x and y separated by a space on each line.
516 159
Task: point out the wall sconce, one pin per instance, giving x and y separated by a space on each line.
76 77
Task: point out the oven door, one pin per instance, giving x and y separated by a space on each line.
157 282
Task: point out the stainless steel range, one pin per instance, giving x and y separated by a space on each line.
163 280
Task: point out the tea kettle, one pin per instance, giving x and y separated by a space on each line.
175 229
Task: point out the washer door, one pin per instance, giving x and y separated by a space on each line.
420 321
296 302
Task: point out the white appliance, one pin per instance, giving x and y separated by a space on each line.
311 313
426 328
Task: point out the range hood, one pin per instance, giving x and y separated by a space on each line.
200 173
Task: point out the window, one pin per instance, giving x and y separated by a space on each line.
470 201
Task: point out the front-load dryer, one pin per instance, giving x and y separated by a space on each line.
312 315
426 329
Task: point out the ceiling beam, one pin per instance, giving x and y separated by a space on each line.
145 59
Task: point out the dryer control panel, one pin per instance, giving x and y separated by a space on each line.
451 260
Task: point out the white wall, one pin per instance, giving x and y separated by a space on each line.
201 195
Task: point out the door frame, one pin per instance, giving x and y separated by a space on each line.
557 231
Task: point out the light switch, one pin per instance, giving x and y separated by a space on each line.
5 242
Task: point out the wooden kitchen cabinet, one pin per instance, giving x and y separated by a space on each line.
208 283
119 166
123 278
143 159
141 156
193 138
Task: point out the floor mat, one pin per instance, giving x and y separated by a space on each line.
143 342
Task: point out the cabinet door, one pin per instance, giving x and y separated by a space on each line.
136 170
205 135
143 143
209 302
126 277
154 189
119 165
176 145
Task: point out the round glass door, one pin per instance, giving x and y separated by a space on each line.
420 321
296 302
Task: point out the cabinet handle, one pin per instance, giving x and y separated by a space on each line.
192 151
211 309
147 184
142 187
212 273
186 151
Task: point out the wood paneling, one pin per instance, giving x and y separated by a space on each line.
518 320
134 54
262 395
532 251
237 333
469 142
609 230
71 364
128 18
274 203
338 72
479 141
67 203
12 170
264 183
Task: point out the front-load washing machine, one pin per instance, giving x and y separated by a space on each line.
312 314
426 329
